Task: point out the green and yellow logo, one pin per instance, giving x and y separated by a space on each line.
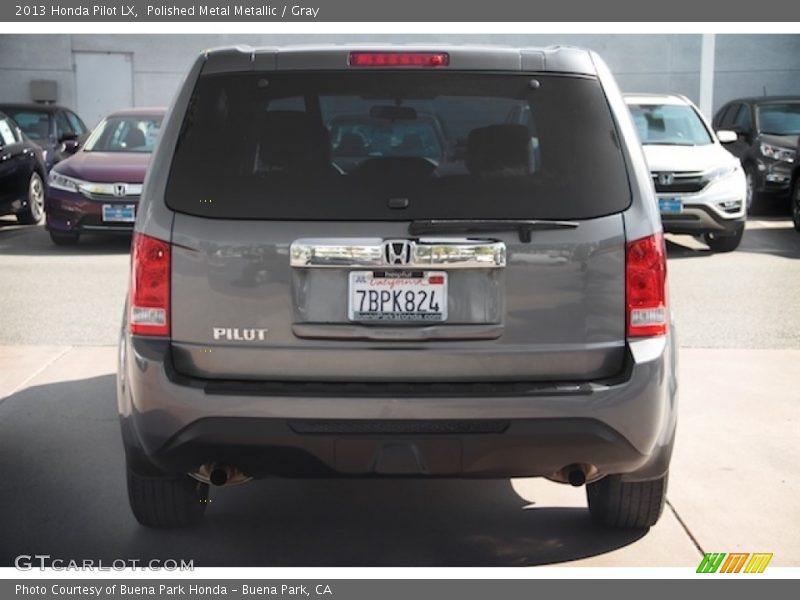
736 562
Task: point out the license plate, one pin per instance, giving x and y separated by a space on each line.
125 213
670 206
397 296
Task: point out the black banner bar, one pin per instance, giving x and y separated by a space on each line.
407 10
373 589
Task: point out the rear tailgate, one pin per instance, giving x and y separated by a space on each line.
555 311
285 226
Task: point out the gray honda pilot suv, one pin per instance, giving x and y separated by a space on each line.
464 277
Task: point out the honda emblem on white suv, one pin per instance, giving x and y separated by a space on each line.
666 178
397 252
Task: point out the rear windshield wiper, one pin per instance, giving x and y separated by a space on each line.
525 228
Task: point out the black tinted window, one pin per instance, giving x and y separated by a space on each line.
77 125
339 145
724 116
62 125
743 119
779 118
35 124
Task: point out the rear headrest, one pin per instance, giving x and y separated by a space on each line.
134 138
351 144
499 150
42 127
289 140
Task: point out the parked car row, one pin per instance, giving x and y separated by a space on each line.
58 131
701 191
98 188
81 182
700 187
766 139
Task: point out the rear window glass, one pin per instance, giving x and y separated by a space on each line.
35 124
349 145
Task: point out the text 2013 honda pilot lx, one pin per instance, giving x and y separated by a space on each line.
485 298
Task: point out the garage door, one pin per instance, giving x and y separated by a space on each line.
103 83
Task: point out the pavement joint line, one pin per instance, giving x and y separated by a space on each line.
38 372
686 528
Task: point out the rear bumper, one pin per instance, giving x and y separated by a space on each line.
482 449
171 424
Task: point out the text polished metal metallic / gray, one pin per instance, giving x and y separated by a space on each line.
379 253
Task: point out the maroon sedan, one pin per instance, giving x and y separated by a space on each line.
98 188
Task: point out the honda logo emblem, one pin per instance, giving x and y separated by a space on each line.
666 178
120 189
397 252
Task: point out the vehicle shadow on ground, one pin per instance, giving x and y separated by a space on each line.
63 494
33 240
763 235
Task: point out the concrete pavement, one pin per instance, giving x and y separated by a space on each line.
733 485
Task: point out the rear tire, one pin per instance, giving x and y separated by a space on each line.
167 502
753 199
64 238
34 212
795 204
727 242
626 504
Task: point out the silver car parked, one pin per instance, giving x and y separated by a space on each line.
493 307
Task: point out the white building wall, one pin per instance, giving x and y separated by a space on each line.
744 64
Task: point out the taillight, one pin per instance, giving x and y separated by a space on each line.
399 59
149 290
646 286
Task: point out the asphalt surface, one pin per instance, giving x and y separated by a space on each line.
733 487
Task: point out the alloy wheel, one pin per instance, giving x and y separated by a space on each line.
36 197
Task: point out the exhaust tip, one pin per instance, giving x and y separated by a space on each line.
576 475
218 475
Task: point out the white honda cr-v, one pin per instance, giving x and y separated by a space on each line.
700 186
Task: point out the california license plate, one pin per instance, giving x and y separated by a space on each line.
670 206
400 296
120 213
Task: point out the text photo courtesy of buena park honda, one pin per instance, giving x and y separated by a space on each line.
400 300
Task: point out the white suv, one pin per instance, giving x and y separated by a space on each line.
700 186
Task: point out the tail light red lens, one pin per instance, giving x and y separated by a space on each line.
150 287
646 286
399 59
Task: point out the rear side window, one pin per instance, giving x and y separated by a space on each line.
397 146
77 125
743 119
62 125
35 124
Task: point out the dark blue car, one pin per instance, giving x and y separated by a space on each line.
58 131
22 174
